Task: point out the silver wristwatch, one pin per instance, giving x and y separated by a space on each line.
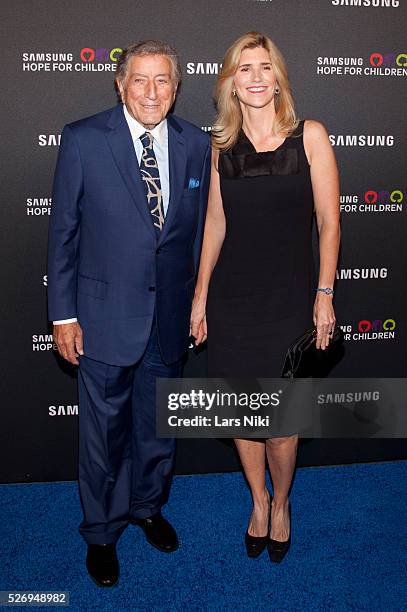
326 290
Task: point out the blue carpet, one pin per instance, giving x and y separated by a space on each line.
348 550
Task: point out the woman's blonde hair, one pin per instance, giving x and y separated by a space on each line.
229 118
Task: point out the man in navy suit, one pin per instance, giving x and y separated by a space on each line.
129 204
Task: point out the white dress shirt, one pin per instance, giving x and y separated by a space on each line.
160 146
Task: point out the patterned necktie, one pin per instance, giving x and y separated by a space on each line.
151 179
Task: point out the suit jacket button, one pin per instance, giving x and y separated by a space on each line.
151 288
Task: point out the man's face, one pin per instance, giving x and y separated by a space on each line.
148 90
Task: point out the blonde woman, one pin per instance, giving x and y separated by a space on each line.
254 292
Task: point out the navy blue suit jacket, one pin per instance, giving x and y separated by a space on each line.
105 264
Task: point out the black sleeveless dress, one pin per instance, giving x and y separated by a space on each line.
262 291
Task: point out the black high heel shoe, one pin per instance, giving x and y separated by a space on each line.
277 550
256 544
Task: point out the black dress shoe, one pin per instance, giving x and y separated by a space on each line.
256 544
278 550
158 531
102 564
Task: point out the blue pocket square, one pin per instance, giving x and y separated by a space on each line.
193 183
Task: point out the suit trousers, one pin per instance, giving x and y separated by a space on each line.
124 470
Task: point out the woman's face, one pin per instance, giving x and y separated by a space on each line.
255 80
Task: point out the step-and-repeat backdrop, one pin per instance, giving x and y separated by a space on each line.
347 61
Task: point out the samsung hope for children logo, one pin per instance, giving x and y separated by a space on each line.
369 329
38 207
88 59
378 64
43 342
373 201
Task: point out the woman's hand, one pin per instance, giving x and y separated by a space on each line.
198 327
324 319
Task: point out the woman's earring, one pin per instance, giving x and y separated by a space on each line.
276 90
234 92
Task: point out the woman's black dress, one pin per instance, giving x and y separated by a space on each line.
261 292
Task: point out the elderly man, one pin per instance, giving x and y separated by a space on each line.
129 202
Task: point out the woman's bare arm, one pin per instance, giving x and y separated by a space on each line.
325 186
214 234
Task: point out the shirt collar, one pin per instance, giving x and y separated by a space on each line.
160 132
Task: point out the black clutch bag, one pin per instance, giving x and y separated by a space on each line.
303 359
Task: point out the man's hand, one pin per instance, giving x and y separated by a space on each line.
69 340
